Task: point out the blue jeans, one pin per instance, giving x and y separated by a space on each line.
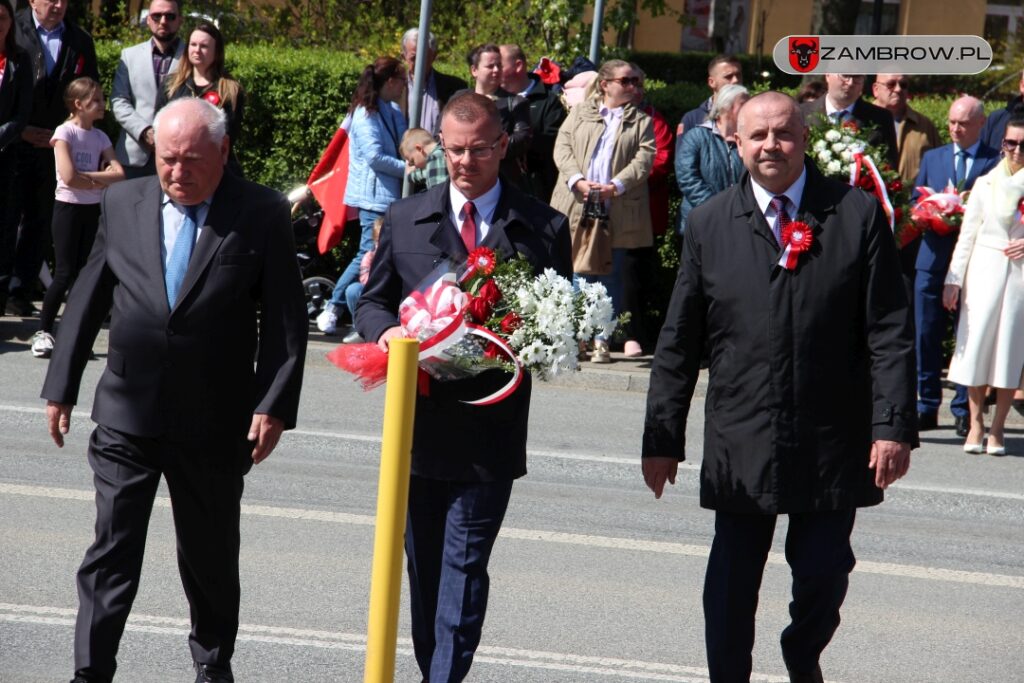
351 272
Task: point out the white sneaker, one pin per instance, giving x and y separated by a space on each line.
352 337
42 344
327 321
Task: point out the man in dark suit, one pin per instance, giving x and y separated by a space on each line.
464 458
200 269
843 102
438 88
810 385
995 126
959 164
60 52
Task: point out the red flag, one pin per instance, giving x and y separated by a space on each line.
327 183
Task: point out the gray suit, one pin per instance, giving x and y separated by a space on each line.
135 99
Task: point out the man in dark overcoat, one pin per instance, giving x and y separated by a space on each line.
810 408
464 457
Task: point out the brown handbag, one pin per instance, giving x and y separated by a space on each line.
592 240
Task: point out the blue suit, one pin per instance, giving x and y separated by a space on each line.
931 319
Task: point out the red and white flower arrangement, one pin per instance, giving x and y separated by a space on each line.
941 212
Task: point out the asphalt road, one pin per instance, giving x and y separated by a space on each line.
592 581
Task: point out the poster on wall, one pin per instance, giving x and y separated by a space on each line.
696 37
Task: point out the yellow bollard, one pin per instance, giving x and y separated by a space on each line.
392 504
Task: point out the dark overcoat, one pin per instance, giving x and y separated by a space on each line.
807 367
454 441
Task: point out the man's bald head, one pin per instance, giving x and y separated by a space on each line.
966 118
191 149
771 136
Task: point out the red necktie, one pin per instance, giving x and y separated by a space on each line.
779 204
468 230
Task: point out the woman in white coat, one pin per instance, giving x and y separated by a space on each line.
987 268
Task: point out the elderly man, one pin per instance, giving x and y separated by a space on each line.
915 133
460 487
438 88
722 70
194 261
546 116
959 164
138 91
842 103
60 52
791 284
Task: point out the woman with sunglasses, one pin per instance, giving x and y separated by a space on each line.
203 75
606 145
375 168
987 273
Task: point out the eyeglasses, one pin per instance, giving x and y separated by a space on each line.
455 153
628 81
891 85
1012 145
157 17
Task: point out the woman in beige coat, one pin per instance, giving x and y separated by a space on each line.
607 144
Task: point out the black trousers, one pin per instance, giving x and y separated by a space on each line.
819 554
9 216
37 180
74 231
205 484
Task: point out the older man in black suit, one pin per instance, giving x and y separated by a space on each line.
791 281
60 52
187 258
464 458
843 103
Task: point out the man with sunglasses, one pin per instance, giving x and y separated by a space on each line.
464 457
138 90
915 133
959 163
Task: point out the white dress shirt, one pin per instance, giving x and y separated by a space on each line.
171 217
794 193
485 206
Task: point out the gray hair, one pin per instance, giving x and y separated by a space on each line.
192 108
413 34
725 98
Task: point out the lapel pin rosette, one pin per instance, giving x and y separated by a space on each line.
797 238
941 212
485 314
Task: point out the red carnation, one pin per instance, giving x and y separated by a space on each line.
896 186
510 323
212 97
852 126
490 293
479 309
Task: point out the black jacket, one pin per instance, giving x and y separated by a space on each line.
77 58
807 367
878 120
546 116
15 98
454 441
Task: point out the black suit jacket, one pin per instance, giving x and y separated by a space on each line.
77 58
446 87
866 114
15 98
188 372
452 440
807 367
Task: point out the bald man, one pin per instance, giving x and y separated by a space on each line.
915 133
197 386
810 406
959 163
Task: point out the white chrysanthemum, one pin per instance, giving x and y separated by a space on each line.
833 135
824 156
820 145
834 166
846 156
838 147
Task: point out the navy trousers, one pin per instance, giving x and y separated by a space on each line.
819 554
931 320
205 484
450 531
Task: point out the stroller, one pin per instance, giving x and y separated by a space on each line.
317 269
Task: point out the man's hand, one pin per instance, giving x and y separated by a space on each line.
950 296
147 138
389 334
58 419
656 471
265 430
890 460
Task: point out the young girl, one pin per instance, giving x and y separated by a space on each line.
85 166
355 290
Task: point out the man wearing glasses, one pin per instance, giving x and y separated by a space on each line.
959 163
843 104
915 133
464 458
138 90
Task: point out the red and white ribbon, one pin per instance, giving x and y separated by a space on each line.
862 164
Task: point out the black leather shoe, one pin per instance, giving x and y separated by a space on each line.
19 305
812 677
963 424
927 421
211 673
